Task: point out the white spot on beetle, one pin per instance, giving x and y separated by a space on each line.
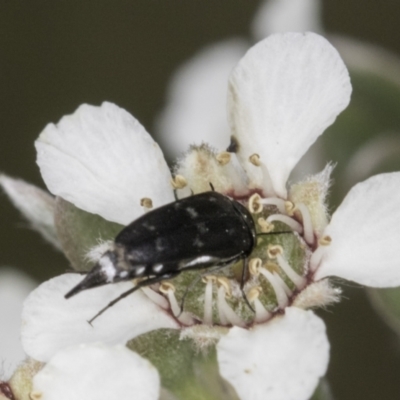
201 227
123 274
139 270
198 243
160 246
198 260
157 268
108 268
192 212
149 227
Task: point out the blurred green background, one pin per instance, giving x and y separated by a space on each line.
55 55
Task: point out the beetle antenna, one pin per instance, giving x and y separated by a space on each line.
211 186
189 287
272 233
141 284
244 271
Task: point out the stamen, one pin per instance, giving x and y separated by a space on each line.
155 297
275 201
178 182
307 223
182 316
316 257
276 252
223 158
254 266
146 202
286 288
255 205
325 241
255 159
169 289
225 311
208 297
262 314
265 226
222 281
289 208
281 297
293 224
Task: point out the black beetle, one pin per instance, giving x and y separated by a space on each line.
202 231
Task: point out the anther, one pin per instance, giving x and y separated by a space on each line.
255 159
262 314
178 182
222 281
223 158
166 287
254 266
272 267
274 250
255 205
325 241
146 202
289 208
265 226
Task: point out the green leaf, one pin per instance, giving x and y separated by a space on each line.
78 231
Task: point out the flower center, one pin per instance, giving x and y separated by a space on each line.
253 290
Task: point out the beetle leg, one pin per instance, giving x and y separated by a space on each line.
141 284
245 268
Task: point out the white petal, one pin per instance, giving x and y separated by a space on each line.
35 204
283 94
280 360
275 16
102 160
51 323
196 103
14 288
365 234
96 372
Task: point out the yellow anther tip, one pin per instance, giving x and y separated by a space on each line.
178 182
146 202
255 159
223 158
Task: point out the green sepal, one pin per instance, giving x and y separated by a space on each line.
185 371
78 231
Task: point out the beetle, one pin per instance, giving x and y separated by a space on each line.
203 231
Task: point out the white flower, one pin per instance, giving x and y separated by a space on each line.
115 373
14 288
283 94
195 110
